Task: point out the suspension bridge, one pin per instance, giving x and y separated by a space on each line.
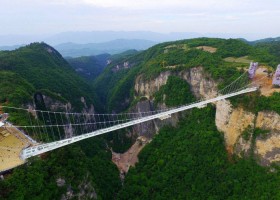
47 130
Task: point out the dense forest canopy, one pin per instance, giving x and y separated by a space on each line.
89 67
45 69
186 162
115 86
190 162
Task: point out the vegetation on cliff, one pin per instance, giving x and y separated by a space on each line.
174 93
190 162
114 84
89 67
39 68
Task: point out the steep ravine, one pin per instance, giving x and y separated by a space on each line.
202 85
229 120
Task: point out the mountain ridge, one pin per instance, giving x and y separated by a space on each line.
111 47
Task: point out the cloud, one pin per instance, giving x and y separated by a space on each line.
52 16
156 4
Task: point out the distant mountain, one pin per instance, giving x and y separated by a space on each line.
10 48
90 67
84 37
111 47
105 36
12 39
266 40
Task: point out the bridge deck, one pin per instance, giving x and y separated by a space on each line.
42 148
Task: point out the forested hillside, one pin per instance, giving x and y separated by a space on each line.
89 67
44 68
188 160
86 167
191 161
217 56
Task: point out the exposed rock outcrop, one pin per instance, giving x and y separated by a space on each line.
233 121
147 88
268 145
268 120
54 104
201 83
85 189
125 160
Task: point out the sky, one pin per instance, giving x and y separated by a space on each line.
252 18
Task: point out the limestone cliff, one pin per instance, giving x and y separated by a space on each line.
201 84
56 104
268 146
233 122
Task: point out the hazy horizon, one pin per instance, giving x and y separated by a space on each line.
85 37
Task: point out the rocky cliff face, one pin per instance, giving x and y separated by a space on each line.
201 84
233 122
85 189
53 104
268 146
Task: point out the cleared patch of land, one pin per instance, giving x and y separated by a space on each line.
266 86
243 59
171 67
129 158
207 48
176 46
